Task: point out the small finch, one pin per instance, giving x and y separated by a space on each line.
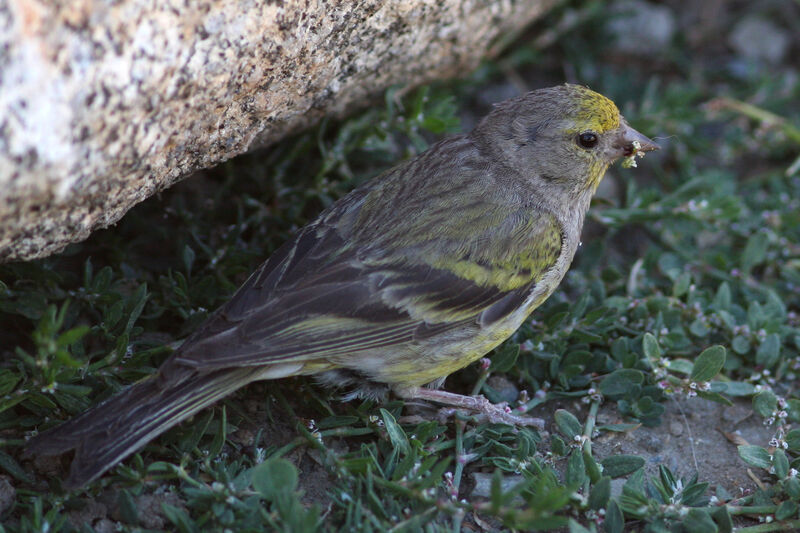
411 276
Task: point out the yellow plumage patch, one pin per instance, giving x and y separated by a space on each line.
595 111
505 277
522 257
448 358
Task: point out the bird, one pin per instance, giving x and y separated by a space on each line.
411 276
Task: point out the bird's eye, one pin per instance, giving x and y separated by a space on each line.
587 139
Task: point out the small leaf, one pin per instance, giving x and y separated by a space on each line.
9 402
619 382
683 366
7 381
671 265
396 433
496 490
505 358
113 314
775 307
786 510
560 448
722 518
681 285
621 465
220 435
755 315
755 251
569 426
584 335
708 363
733 388
188 257
41 400
714 397
592 468
614 522
650 346
274 477
126 507
769 351
63 357
601 492
337 421
699 521
576 527
765 403
139 298
359 465
72 336
619 349
792 486
740 344
10 466
793 440
694 495
755 456
179 517
576 468
102 280
722 300
699 328
781 463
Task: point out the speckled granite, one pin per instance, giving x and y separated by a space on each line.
103 104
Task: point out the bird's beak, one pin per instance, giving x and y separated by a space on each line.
630 142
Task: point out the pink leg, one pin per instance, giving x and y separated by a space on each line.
496 414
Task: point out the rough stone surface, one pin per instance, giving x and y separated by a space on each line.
103 104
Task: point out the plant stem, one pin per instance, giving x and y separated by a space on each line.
752 509
588 429
772 526
761 115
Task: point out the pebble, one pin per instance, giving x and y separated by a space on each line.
505 389
483 484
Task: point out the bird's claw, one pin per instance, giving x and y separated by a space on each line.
485 411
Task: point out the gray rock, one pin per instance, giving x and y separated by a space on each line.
505 390
104 104
483 484
641 28
758 39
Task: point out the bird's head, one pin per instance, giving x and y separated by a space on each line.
567 135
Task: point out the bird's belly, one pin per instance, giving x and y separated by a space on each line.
422 361
419 363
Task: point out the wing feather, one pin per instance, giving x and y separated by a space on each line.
338 288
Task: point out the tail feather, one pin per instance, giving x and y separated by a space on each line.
114 429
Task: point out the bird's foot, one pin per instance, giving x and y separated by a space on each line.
493 413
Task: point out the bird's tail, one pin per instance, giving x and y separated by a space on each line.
109 432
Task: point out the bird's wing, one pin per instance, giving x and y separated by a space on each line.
325 294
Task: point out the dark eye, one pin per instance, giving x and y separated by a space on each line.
587 139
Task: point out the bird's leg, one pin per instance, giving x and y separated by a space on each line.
494 413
